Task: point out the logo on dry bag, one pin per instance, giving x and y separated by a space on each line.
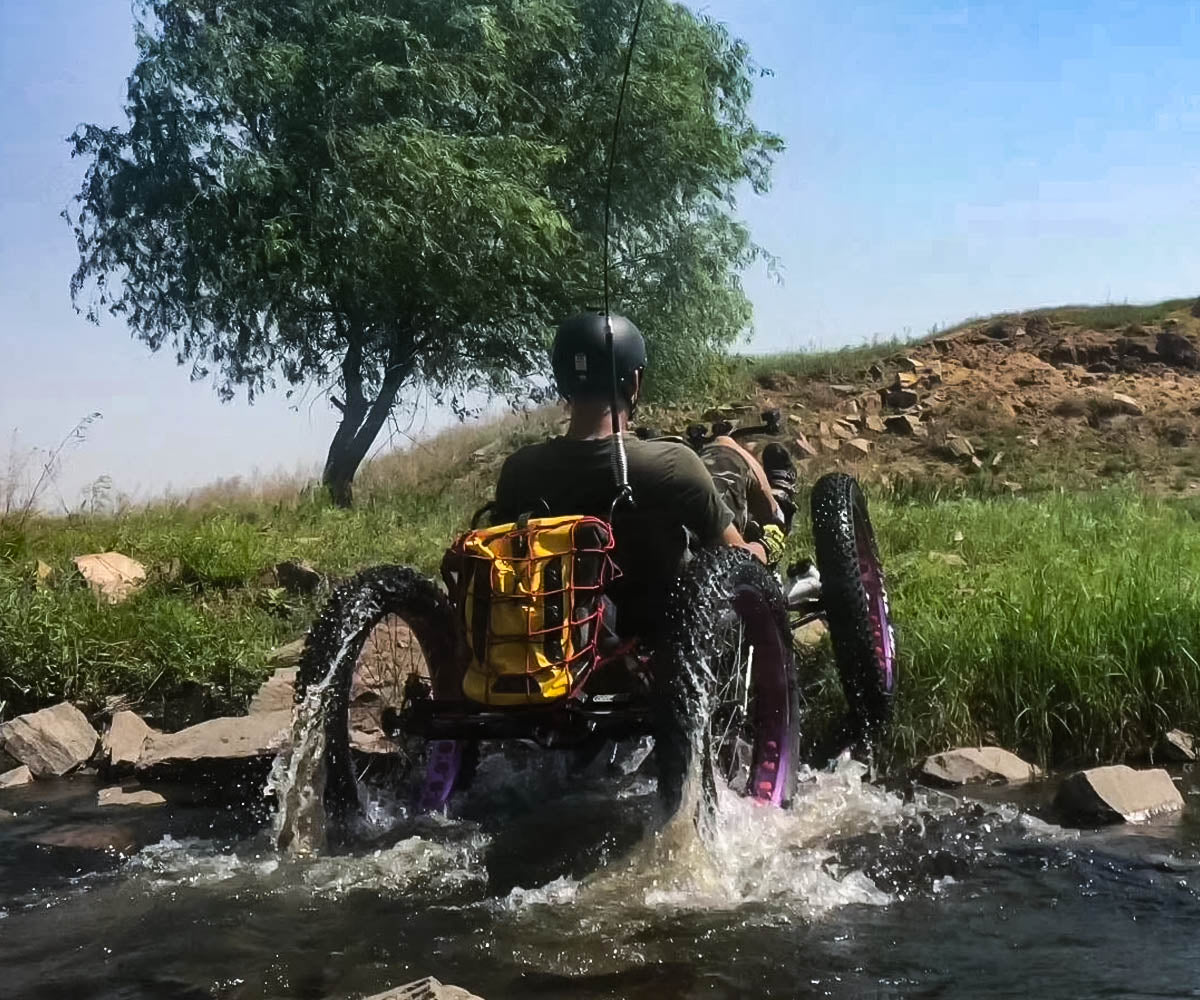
581 365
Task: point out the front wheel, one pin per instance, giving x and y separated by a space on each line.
385 636
725 680
855 602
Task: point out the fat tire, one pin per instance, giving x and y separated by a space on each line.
839 517
342 627
683 679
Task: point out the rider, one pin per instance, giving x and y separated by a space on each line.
574 474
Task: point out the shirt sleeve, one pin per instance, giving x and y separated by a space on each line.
701 508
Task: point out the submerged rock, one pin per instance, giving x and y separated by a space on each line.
118 796
51 742
426 989
967 765
1118 794
123 742
17 777
225 740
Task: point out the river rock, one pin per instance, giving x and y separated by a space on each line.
17 777
51 742
231 740
122 744
1118 794
1179 746
276 694
113 577
287 655
89 836
968 765
118 796
426 989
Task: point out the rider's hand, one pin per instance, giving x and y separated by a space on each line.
773 542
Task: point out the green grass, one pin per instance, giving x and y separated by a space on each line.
1112 317
833 366
1070 635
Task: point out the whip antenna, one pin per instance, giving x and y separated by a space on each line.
620 462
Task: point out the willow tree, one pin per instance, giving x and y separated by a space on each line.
375 195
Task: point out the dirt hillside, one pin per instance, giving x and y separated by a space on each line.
1015 402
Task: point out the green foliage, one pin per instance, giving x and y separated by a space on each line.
1062 626
1068 632
383 192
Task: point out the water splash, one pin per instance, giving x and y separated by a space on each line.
297 778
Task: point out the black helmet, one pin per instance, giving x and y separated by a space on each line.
580 356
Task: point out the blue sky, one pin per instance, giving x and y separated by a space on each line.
944 159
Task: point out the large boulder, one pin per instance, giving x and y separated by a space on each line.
969 765
1117 794
123 742
217 742
111 575
426 989
51 742
276 694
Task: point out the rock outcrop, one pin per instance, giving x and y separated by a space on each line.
1117 794
51 742
968 765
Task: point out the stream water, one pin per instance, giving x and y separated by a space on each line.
545 886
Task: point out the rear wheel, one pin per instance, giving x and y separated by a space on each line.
384 637
855 601
725 680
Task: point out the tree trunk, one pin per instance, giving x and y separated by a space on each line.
362 419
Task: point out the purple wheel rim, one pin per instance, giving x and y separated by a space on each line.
871 574
771 710
443 763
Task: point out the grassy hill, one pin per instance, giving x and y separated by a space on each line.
1045 577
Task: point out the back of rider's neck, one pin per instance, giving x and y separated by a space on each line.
592 420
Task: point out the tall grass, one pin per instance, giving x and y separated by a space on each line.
1066 627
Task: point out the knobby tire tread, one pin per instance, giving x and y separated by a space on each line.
699 596
347 619
836 498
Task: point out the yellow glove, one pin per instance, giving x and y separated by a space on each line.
773 541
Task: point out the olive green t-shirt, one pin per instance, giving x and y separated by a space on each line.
572 476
